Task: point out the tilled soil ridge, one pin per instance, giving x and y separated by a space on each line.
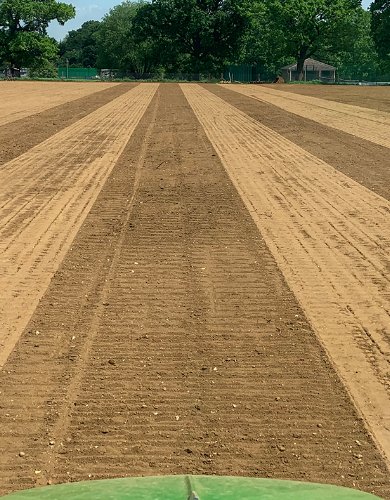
169 342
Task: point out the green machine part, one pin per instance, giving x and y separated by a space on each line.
190 488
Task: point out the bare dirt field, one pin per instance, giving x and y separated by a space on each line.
195 279
360 122
22 99
369 97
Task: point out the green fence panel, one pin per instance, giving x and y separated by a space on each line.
77 73
239 73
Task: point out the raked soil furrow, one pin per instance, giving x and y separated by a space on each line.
46 194
368 124
330 237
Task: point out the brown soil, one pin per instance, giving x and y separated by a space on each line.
20 99
326 233
369 97
364 123
169 342
20 135
363 161
47 192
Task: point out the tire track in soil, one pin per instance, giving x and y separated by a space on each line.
363 161
46 195
19 136
199 359
330 237
365 123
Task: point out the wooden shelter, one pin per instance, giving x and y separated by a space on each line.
312 70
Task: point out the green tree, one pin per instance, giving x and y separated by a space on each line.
304 27
360 61
380 11
23 37
263 42
80 47
197 36
116 42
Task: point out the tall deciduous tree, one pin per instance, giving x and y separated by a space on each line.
117 46
196 35
80 46
360 60
263 42
23 25
380 11
306 26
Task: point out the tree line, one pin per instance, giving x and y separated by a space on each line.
200 36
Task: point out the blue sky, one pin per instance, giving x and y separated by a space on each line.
87 10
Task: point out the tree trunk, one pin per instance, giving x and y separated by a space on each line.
302 56
300 72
